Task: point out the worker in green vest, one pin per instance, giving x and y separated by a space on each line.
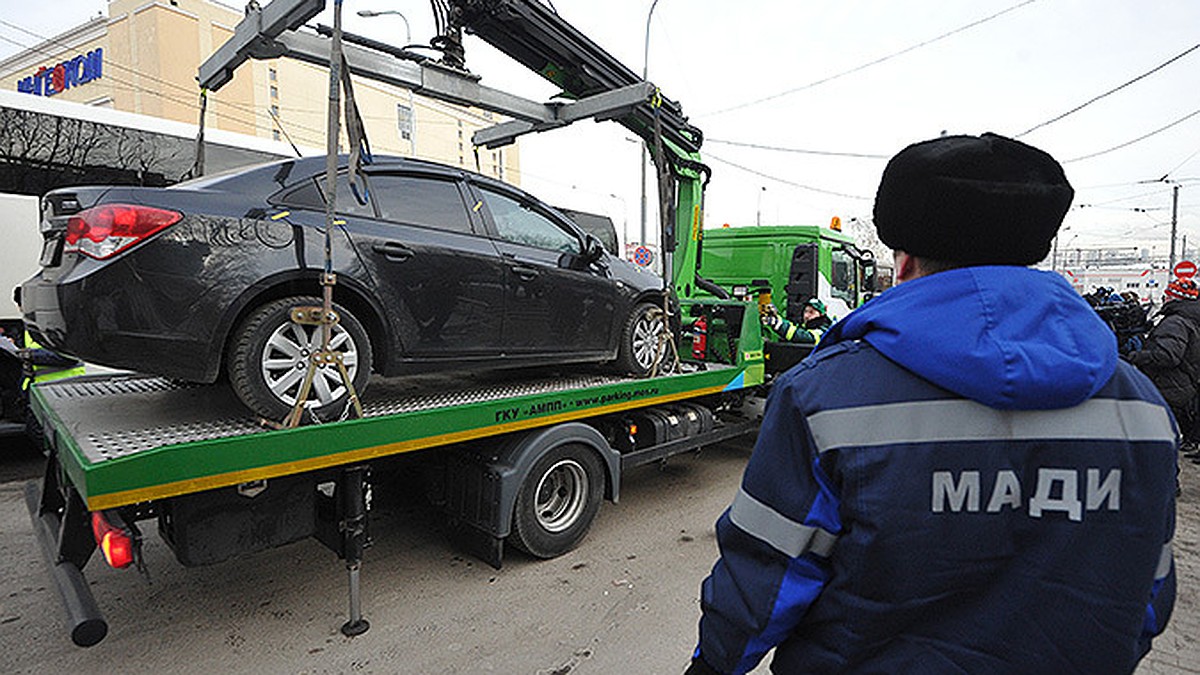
44 365
814 323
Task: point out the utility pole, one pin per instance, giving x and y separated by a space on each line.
1174 221
646 75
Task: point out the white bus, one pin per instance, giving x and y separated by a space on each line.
46 144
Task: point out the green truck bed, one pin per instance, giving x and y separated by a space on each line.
122 440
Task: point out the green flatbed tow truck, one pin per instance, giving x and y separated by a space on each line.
523 457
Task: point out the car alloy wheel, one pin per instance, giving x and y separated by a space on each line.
285 359
640 342
646 330
269 354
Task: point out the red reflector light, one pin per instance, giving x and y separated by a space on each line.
115 543
103 231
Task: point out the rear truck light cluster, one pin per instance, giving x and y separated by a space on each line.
118 544
104 231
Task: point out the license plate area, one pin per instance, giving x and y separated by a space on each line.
51 252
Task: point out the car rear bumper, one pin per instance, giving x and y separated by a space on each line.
119 329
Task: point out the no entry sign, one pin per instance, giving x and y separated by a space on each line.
1185 269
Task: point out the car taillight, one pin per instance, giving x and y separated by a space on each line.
115 542
104 231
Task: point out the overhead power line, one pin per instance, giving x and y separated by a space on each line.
868 64
823 153
1109 92
784 181
1136 140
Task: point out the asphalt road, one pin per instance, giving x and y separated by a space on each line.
625 601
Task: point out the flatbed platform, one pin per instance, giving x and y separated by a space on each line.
125 439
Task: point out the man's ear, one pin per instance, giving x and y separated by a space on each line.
906 268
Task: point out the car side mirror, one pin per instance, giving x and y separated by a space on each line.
593 250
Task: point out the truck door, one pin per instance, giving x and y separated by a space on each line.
802 281
550 305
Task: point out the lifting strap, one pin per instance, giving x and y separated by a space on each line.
197 169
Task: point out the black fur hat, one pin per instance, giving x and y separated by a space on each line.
978 200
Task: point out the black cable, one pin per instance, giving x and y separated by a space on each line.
1136 140
870 63
824 153
1110 91
785 181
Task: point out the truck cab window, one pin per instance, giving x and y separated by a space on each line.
842 277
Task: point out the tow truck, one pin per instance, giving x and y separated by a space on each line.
524 459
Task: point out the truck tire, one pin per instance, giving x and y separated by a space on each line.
639 342
558 501
268 359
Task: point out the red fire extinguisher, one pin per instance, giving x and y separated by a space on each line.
699 337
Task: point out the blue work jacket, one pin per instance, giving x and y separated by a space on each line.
962 478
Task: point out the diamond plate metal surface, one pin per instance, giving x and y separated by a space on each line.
112 417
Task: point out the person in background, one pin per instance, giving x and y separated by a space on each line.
963 477
1170 356
814 322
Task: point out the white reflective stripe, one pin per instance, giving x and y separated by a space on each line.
962 420
780 532
1164 562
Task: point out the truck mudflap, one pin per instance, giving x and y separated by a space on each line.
85 622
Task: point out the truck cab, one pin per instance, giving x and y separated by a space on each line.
787 265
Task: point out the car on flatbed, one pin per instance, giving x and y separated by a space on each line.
437 268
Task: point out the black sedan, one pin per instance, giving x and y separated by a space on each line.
437 268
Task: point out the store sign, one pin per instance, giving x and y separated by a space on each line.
48 81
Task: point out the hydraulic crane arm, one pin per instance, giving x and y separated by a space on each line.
542 41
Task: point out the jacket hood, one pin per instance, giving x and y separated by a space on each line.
1011 338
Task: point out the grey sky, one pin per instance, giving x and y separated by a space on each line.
1008 74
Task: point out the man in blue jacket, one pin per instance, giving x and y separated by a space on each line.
963 477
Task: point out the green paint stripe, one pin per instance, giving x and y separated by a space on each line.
198 484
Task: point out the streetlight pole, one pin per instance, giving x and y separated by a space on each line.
645 75
758 211
412 109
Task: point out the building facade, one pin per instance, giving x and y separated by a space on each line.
144 55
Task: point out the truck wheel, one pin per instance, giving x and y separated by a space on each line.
639 341
558 501
268 360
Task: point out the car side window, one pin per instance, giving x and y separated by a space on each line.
347 203
429 202
310 194
520 224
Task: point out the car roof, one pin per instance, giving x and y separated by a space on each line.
303 167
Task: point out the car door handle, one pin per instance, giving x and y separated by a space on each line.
393 252
526 273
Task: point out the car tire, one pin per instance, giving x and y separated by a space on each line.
639 342
558 501
268 360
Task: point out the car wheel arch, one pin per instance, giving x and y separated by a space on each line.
347 293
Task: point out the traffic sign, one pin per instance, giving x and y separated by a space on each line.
643 256
1185 269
